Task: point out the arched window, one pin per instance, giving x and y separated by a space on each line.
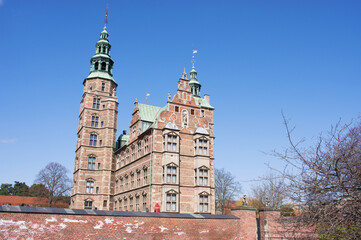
94 121
88 204
93 139
91 162
104 66
89 187
96 65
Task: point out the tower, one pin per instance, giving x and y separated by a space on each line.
96 132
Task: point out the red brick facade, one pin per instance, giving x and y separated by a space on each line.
166 159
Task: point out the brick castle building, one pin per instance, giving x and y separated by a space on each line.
166 160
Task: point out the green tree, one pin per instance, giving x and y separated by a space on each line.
6 189
20 189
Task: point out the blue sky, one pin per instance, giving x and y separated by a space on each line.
255 58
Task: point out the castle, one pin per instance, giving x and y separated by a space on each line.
166 160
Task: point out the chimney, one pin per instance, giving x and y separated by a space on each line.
124 132
207 98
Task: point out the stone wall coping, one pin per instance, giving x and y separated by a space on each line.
244 208
269 210
68 211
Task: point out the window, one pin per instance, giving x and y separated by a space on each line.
132 180
102 123
170 142
91 162
121 184
146 146
115 205
103 87
133 131
137 204
125 204
127 157
202 113
201 146
144 202
96 103
139 149
203 202
131 203
171 202
138 178
126 183
116 186
202 176
145 176
120 204
100 142
98 165
133 153
97 189
192 111
89 186
93 139
176 109
88 204
105 203
94 121
103 66
171 174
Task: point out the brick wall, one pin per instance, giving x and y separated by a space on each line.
273 226
51 223
46 223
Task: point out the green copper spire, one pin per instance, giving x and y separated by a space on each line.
193 83
101 64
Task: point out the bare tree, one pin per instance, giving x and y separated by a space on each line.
227 188
54 178
325 180
271 191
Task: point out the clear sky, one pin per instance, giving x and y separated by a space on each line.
255 58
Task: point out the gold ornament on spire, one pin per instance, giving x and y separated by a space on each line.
106 17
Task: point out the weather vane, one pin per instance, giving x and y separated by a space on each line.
193 61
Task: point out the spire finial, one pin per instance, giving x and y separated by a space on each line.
193 61
106 17
184 74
